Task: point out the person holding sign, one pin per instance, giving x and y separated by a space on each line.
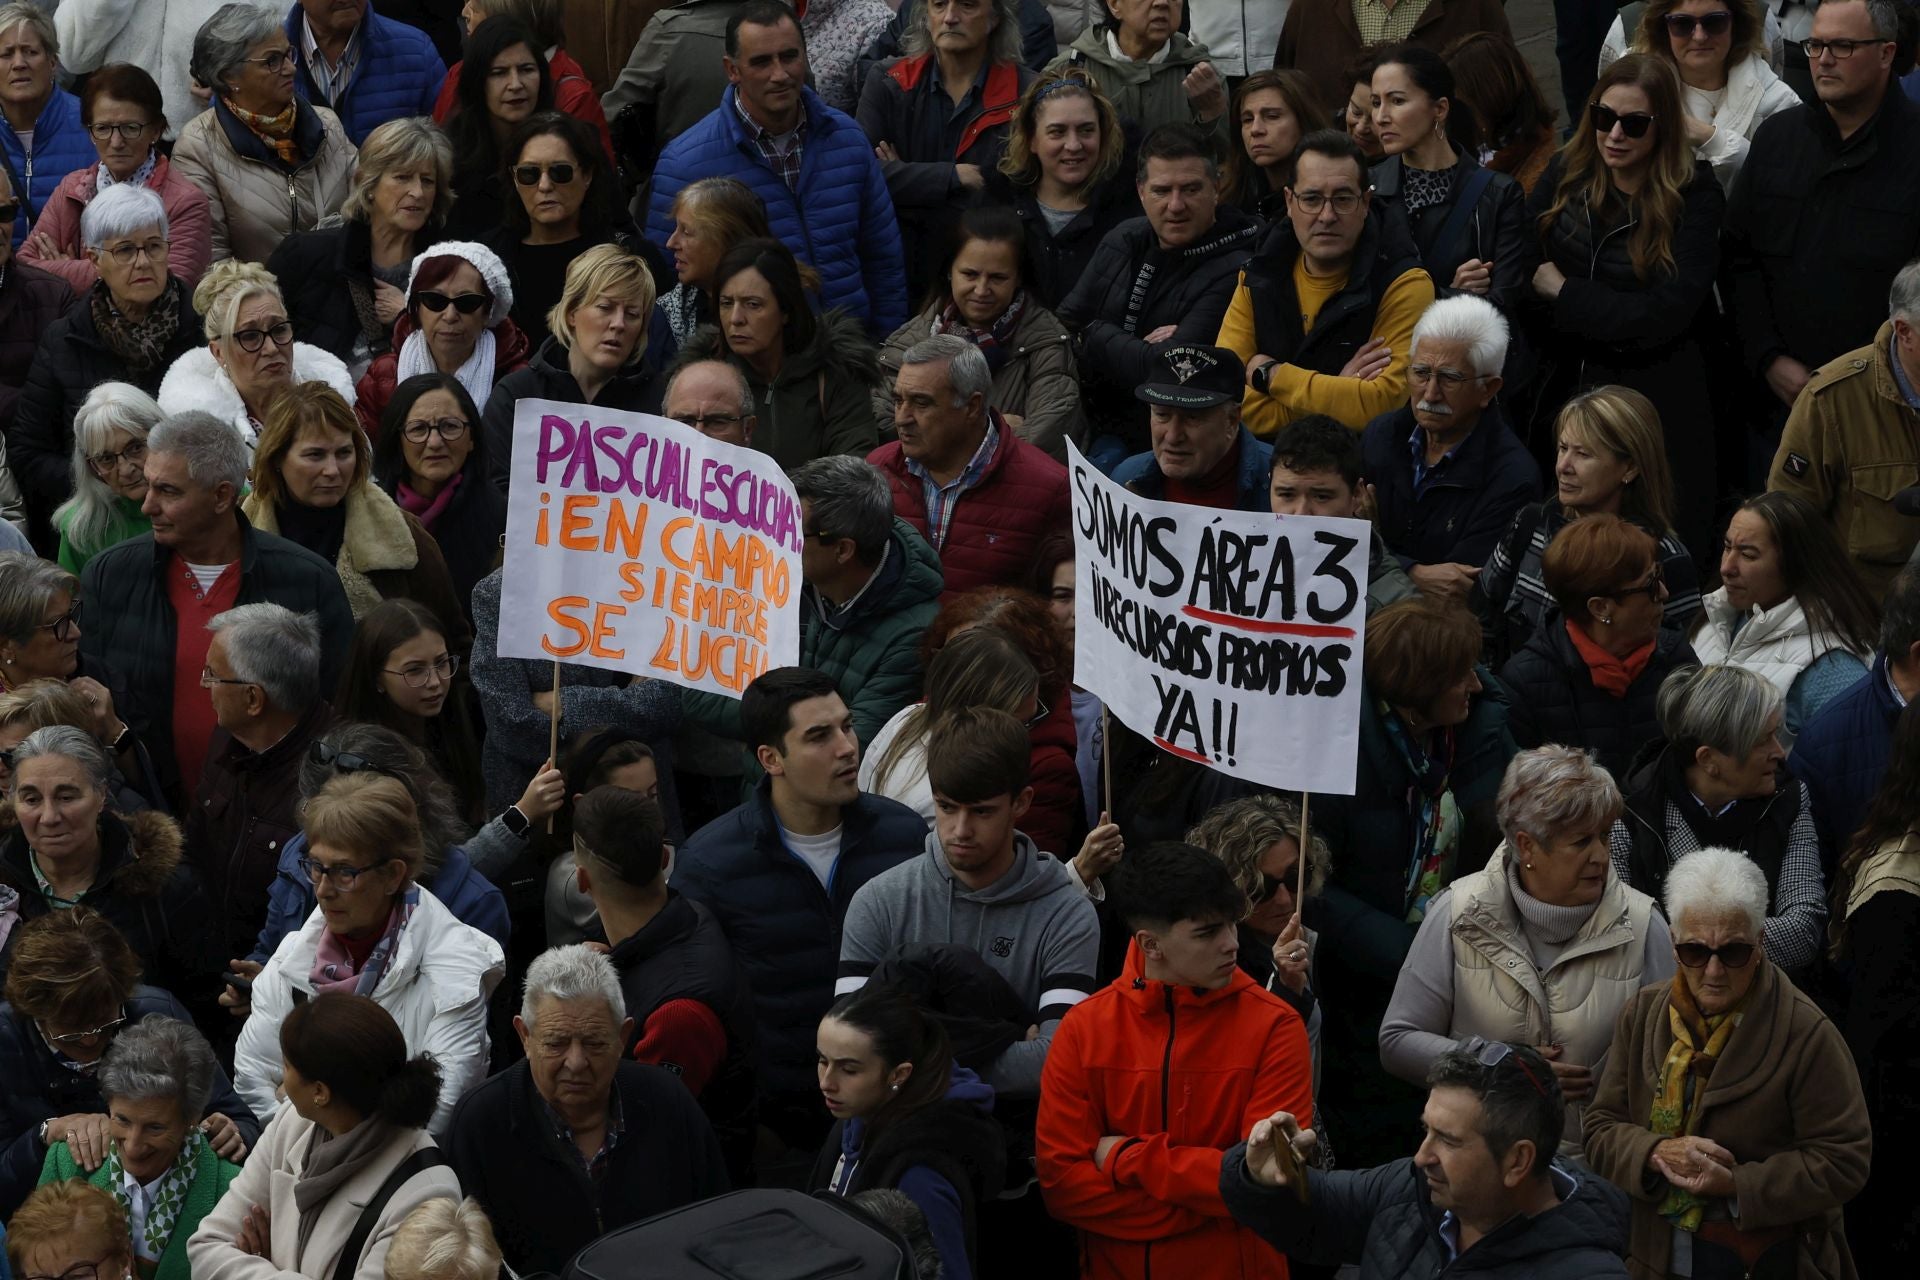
1201 453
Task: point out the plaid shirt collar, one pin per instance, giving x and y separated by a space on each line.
943 498
785 163
616 1127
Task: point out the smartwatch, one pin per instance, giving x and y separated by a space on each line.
1262 378
122 741
515 821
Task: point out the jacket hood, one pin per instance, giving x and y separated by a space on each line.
1150 994
1233 229
1033 876
911 575
139 852
197 382
964 1088
1593 1218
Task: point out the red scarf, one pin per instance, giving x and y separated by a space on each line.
1610 674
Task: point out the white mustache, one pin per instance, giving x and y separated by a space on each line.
1438 408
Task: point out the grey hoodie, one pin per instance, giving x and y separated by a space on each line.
1033 926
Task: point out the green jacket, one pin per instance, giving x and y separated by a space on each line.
210 1181
1149 94
821 400
126 521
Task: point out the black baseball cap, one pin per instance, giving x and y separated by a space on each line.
1194 377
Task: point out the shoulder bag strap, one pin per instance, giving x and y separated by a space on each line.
20 191
1468 198
349 1261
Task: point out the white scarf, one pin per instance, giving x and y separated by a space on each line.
138 178
476 375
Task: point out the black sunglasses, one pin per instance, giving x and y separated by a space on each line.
344 761
1634 123
9 211
528 175
1695 955
1714 24
466 304
1496 1052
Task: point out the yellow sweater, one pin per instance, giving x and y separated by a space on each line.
1295 392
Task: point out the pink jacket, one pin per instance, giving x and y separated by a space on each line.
189 229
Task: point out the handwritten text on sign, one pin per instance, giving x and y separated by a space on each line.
637 544
1231 638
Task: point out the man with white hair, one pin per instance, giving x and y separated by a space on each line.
574 1141
1447 472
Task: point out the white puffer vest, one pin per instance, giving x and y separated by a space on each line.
1776 644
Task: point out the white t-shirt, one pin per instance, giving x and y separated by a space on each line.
819 852
206 575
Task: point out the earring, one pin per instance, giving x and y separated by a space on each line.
1606 621
1529 866
894 1088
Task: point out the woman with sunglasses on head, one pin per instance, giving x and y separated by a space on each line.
109 478
1715 776
72 984
1627 229
1729 1108
455 321
565 192
430 456
1544 946
487 108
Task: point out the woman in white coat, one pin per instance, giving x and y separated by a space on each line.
357 1106
156 35
375 933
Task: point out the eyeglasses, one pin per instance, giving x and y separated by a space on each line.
78 1271
1448 377
128 131
448 429
1717 23
274 62
1041 712
1344 202
1498 1051
208 679
9 211
1695 955
418 675
152 251
1652 585
64 625
1814 49
341 876
708 423
254 339
466 304
104 464
72 1038
528 175
1634 123
344 761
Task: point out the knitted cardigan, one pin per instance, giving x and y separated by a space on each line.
211 1178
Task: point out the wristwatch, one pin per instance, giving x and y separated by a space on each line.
516 821
121 741
1262 377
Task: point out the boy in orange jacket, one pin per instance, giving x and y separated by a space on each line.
1151 1079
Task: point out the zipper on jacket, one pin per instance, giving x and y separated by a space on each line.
293 202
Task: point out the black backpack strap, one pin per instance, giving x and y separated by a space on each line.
349 1260
1465 202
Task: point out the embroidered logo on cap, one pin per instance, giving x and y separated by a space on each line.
1188 362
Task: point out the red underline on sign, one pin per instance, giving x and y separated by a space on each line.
1269 628
1182 752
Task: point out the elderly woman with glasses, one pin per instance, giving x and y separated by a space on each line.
430 456
109 476
1729 1110
1543 947
250 359
72 984
376 932
157 1077
269 163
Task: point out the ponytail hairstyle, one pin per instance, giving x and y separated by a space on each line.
1432 76
901 1031
354 1047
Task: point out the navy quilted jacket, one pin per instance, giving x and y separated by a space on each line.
60 145
1841 756
840 220
399 74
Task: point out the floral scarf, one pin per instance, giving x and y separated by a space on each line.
1436 817
996 340
1698 1042
275 131
169 1196
141 345
333 968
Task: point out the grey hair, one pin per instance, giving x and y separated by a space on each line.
734 372
1900 615
577 972
1713 883
410 142
224 41
1883 14
109 407
967 370
121 210
1726 708
1553 790
1003 43
28 585
214 451
272 646
1903 299
1470 320
13 15
850 499
74 744
161 1057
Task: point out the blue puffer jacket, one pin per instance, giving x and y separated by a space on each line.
840 220
1841 756
471 897
60 145
399 74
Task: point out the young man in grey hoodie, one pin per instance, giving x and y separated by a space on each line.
983 885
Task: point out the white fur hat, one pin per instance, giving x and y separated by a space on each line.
481 259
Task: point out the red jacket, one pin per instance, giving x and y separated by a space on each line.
1184 1074
572 93
1021 497
375 388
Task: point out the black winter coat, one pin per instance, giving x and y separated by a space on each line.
1496 231
1188 288
30 301
1552 697
313 268
508 1155
1055 263
1469 500
468 531
548 377
72 360
39 1088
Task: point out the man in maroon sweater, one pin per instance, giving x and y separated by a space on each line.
1201 454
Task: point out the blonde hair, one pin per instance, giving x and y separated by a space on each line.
62 1209
407 143
302 408
1021 165
39 703
226 288
1626 424
366 814
1240 831
606 270
444 1239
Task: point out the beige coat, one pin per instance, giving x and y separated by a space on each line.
1784 1098
267 1179
1040 380
252 204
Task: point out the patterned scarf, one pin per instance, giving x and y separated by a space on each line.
169 1196
275 131
103 179
141 345
1436 818
996 340
1697 1044
333 968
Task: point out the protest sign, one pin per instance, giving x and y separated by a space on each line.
637 544
1230 638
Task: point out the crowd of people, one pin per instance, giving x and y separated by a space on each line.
320 956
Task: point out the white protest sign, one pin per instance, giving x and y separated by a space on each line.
1229 638
637 544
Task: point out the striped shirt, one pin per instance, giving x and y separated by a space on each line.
943 498
330 79
1380 23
